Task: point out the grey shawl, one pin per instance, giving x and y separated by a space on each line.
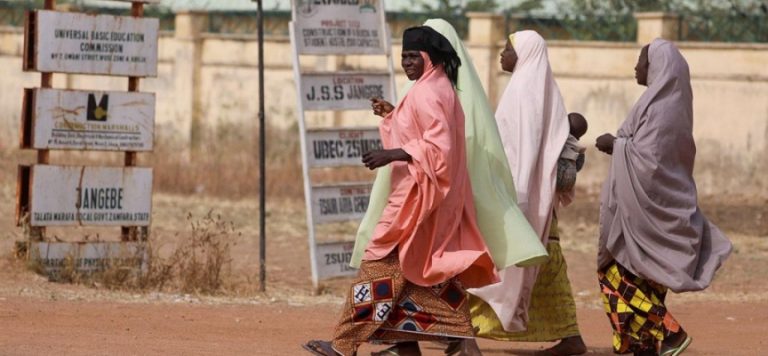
650 221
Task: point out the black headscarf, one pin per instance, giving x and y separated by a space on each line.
423 38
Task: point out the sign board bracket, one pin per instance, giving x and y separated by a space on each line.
23 193
30 41
27 114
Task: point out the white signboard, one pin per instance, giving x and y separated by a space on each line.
340 146
91 44
339 26
88 257
81 195
144 1
333 259
90 120
340 202
344 91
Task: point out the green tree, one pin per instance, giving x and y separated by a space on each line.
702 20
461 7
455 11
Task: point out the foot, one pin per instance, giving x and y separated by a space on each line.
410 348
453 347
463 347
573 345
645 353
675 344
320 348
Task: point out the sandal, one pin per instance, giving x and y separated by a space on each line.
675 351
565 347
320 348
454 347
397 350
462 347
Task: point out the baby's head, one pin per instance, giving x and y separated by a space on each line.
578 124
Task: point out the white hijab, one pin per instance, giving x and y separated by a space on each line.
533 124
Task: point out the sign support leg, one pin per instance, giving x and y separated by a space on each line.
262 160
43 156
131 233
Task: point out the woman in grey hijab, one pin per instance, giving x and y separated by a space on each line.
653 236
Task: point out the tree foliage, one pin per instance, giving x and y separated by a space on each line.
614 7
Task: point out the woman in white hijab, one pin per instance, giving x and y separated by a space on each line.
653 237
533 303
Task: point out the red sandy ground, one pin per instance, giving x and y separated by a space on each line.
40 327
42 318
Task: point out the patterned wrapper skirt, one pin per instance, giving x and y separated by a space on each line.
635 307
382 306
551 314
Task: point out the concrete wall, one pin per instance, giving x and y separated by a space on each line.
207 90
730 88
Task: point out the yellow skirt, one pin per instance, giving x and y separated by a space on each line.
552 313
635 307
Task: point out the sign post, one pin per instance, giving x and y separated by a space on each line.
337 28
262 159
55 119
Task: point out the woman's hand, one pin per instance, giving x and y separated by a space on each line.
604 143
379 158
381 107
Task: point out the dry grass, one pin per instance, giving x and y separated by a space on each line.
224 165
229 167
197 252
199 264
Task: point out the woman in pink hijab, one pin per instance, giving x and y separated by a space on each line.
653 236
426 247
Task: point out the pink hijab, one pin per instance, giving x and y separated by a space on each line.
430 214
533 124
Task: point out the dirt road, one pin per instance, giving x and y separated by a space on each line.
44 327
38 317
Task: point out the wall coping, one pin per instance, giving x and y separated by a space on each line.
656 15
550 43
192 12
483 15
11 29
592 44
679 44
722 45
243 37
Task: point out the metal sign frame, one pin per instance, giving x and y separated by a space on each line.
314 247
